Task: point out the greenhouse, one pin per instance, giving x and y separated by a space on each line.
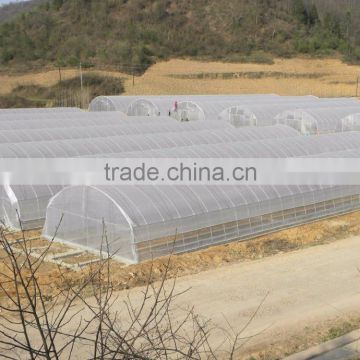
141 222
163 105
59 116
90 132
111 103
150 107
142 142
39 110
349 123
199 216
211 109
265 114
296 146
152 103
40 195
313 121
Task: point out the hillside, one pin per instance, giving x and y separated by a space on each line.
10 11
129 35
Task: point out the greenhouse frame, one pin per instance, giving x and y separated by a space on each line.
211 108
143 222
177 219
155 103
349 123
266 114
203 105
313 121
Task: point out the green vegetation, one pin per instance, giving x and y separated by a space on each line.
65 93
341 329
13 101
10 11
130 35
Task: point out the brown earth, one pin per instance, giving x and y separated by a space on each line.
125 277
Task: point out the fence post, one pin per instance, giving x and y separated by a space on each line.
357 85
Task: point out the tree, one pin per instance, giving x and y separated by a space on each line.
67 318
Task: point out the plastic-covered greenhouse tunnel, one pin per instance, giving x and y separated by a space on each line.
31 201
145 222
149 221
320 120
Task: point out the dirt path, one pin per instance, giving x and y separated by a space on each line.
308 291
313 292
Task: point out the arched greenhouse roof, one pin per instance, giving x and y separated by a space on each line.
349 123
256 114
39 110
111 103
164 103
148 124
141 222
316 120
28 198
143 142
59 116
267 148
87 132
210 109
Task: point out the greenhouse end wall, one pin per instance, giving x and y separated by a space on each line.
73 216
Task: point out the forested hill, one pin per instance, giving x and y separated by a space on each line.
135 33
10 11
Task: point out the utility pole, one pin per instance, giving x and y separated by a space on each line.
81 77
81 84
133 76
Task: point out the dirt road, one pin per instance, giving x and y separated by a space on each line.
308 291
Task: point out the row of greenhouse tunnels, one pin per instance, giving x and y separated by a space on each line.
147 221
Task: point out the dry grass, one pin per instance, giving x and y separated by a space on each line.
321 77
48 78
334 78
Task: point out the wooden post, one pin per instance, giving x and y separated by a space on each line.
81 84
81 78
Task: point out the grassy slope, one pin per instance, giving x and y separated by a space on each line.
137 32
